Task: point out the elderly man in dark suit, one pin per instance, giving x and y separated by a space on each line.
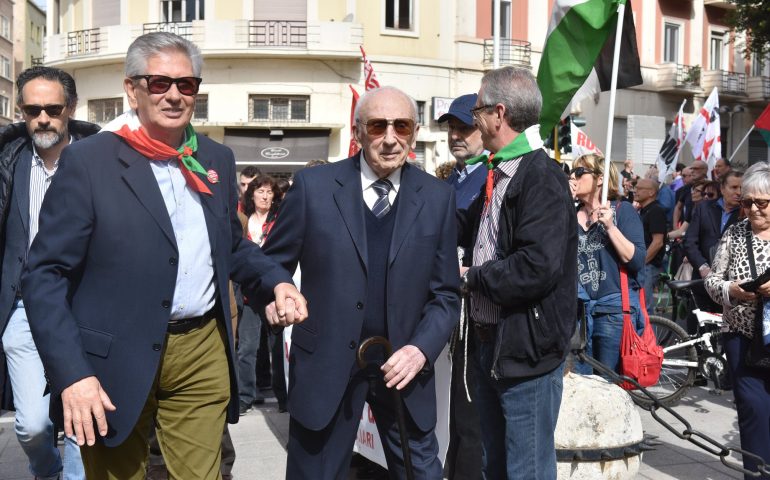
127 281
376 241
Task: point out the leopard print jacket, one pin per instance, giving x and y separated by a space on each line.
731 263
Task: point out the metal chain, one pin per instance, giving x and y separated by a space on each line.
693 436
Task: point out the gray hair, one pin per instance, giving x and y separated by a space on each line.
756 180
369 95
150 44
517 90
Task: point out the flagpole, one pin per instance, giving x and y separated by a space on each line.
496 34
741 144
613 90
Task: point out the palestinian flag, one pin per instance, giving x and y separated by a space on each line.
763 124
578 53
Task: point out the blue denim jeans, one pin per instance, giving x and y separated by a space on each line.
33 426
248 341
651 274
604 329
518 417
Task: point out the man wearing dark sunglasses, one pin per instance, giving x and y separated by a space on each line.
375 240
29 157
127 281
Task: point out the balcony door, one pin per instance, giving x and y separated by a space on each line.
285 10
107 14
173 11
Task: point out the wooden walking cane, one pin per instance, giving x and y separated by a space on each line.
396 400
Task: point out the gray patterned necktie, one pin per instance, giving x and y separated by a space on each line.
382 205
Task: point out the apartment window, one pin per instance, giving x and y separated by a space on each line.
671 43
104 110
5 106
759 66
5 27
420 112
716 50
181 10
399 14
505 18
5 66
201 112
279 109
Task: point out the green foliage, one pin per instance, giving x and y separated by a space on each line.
753 18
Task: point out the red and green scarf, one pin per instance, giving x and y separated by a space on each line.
527 141
130 129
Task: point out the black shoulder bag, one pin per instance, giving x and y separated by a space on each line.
757 355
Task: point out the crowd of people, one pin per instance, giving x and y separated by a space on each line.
138 289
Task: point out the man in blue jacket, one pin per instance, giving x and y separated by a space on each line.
127 282
523 280
463 458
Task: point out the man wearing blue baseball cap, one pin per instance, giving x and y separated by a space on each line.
464 143
463 459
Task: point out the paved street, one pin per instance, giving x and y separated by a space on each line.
260 436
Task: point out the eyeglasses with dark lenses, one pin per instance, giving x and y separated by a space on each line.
760 203
158 84
376 127
709 194
35 110
580 171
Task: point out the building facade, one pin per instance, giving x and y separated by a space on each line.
6 62
277 74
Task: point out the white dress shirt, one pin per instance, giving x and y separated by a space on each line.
368 177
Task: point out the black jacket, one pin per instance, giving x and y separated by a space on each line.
13 139
704 232
534 278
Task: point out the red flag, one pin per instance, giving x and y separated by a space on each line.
371 79
353 148
763 124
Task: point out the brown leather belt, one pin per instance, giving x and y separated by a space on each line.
184 325
485 333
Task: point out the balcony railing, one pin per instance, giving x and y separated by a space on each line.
37 61
733 82
183 29
766 87
512 52
277 33
688 76
83 42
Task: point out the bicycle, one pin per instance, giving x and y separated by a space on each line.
684 356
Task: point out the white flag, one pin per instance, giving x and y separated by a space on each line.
669 152
581 144
697 134
712 143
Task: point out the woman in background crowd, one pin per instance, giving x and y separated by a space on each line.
609 235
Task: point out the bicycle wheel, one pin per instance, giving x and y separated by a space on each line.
679 365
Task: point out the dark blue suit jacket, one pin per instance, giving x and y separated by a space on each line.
321 225
704 233
102 271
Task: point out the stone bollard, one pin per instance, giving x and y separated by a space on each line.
599 432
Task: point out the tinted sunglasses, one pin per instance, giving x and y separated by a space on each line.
760 203
580 171
709 194
34 110
158 84
376 127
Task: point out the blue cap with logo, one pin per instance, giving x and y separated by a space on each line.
461 109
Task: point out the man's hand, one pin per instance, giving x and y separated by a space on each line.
84 401
289 307
402 366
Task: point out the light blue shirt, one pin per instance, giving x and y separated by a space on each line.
195 290
463 174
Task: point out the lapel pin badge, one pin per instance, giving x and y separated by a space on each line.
213 176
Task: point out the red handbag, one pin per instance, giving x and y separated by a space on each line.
641 358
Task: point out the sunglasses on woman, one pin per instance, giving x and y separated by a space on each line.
760 203
709 194
376 127
158 84
580 171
